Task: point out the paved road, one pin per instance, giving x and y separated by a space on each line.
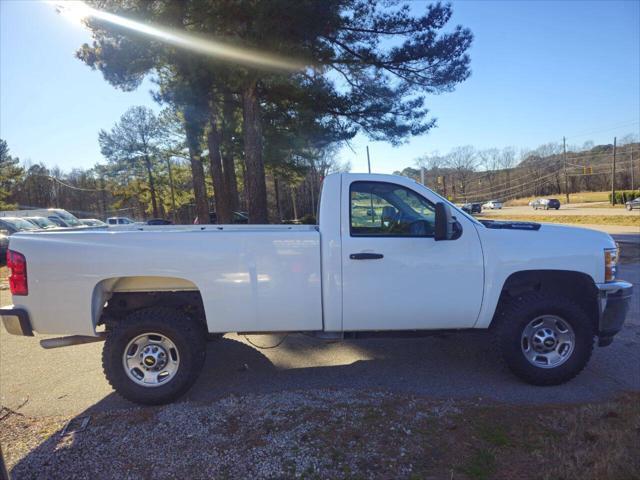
68 381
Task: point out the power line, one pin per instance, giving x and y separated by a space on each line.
54 179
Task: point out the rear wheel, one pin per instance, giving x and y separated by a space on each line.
545 339
154 355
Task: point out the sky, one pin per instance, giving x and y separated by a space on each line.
541 70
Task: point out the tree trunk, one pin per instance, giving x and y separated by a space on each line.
228 163
193 132
221 196
254 178
152 187
293 201
277 193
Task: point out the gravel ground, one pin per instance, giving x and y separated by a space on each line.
343 434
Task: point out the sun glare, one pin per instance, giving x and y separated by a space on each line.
77 11
73 10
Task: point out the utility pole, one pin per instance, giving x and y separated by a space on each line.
368 159
103 194
632 182
422 174
566 178
613 174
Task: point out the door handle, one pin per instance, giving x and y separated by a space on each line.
366 256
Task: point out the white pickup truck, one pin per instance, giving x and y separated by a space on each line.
388 255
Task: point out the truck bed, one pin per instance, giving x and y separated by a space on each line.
250 277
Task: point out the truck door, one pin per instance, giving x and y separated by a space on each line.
395 275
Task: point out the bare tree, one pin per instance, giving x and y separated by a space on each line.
463 161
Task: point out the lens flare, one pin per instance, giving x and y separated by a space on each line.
78 12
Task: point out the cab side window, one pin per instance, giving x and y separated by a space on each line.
386 209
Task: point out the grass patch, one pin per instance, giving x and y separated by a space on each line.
494 434
623 220
481 465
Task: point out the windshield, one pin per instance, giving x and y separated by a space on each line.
41 222
19 224
68 218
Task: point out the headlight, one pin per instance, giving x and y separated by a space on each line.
610 264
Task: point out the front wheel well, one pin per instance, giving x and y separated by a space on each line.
576 286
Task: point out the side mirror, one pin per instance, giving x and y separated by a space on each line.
444 222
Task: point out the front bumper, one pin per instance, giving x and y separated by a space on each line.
613 302
16 321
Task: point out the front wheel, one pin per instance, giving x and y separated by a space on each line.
153 356
629 207
545 339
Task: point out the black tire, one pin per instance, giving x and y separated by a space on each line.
517 314
187 334
629 207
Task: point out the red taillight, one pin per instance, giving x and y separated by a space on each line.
18 277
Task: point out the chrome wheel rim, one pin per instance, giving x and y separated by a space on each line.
547 341
151 359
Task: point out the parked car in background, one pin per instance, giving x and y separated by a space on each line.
59 222
238 218
120 221
4 245
493 205
635 203
92 222
42 222
159 221
59 216
472 208
546 203
15 224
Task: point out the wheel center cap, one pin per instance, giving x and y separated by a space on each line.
149 361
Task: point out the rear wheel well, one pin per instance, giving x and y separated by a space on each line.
576 286
121 304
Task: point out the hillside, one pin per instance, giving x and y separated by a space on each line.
538 173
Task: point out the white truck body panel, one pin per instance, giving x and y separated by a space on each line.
250 279
407 288
297 278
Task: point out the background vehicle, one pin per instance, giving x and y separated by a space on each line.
92 222
14 224
41 222
120 221
159 221
58 216
4 244
419 263
635 203
472 208
546 203
239 218
493 205
59 222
